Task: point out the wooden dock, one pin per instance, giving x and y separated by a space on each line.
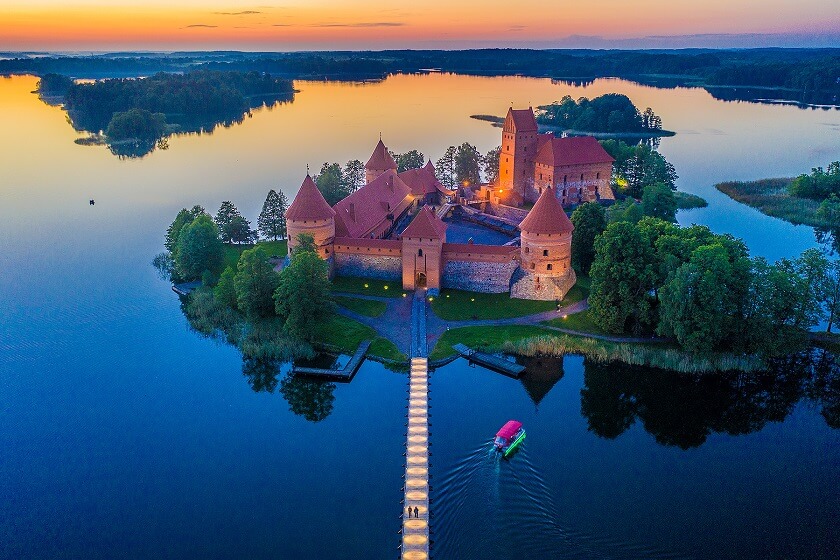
186 288
415 529
344 374
490 361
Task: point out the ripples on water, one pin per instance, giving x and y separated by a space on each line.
487 506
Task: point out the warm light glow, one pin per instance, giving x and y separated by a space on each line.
361 24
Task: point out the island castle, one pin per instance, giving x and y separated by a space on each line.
395 226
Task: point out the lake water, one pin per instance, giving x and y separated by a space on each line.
123 433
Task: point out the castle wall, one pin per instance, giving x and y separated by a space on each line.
478 276
322 232
368 258
574 184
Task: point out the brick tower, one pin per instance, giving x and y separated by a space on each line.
380 161
516 161
546 271
422 249
309 213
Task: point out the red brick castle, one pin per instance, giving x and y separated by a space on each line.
394 227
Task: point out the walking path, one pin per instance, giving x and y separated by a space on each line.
415 529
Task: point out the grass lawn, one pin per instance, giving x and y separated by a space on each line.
367 286
581 322
457 305
482 337
273 248
346 334
366 307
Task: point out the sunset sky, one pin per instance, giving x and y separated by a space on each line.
364 24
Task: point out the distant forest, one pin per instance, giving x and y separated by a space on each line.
611 112
139 112
809 75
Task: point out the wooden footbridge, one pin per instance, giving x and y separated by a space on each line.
344 374
415 530
490 361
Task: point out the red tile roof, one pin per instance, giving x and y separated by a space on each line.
575 150
309 203
381 158
366 209
547 216
425 224
421 181
520 120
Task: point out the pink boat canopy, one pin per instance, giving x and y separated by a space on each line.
509 429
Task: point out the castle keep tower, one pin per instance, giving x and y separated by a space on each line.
516 161
309 213
546 251
422 248
380 161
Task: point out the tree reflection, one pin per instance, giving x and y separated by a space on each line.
309 398
682 410
540 375
261 373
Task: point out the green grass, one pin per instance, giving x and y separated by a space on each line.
771 197
687 201
345 334
273 248
367 286
457 305
489 338
366 307
580 322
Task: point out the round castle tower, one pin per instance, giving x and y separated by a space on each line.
380 161
310 213
546 250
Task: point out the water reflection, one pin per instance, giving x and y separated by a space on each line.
309 398
683 410
261 373
540 375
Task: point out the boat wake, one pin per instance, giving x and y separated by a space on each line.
489 507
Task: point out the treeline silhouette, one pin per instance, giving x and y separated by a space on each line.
199 95
807 70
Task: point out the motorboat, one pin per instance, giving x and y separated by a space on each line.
509 437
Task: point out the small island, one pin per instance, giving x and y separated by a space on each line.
611 115
134 115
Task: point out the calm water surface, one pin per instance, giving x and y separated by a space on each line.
123 433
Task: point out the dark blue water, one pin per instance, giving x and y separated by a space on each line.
125 434
626 463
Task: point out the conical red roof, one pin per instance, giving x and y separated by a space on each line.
381 158
425 224
309 203
547 216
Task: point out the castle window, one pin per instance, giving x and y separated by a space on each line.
581 176
597 175
565 178
548 267
540 176
545 253
419 252
533 266
527 249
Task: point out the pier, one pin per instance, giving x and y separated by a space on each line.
490 361
415 530
344 374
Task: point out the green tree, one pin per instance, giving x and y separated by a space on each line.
412 159
831 299
225 290
303 298
812 269
198 249
227 212
625 211
658 201
829 211
331 183
468 165
354 175
255 282
622 277
138 124
272 220
445 168
491 165
590 221
239 230
694 301
183 218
